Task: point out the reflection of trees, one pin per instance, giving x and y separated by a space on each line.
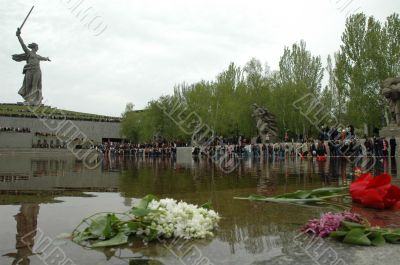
26 231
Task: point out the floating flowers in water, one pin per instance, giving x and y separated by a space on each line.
180 219
150 219
329 222
351 228
375 192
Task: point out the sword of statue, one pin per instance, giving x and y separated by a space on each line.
23 23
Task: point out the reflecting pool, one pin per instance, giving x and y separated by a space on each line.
43 195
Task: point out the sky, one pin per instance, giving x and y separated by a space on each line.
108 53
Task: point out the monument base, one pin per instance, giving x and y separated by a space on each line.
30 104
390 131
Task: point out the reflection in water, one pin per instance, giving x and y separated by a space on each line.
52 174
393 167
49 167
257 233
382 218
249 232
26 231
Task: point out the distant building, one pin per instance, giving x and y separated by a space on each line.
23 127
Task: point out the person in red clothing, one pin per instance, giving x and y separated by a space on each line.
385 147
321 151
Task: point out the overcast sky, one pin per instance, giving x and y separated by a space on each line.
107 53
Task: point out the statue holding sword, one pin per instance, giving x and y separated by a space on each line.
31 89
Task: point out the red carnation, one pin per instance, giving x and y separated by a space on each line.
375 192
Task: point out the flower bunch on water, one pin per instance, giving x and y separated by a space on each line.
376 192
329 222
180 219
149 219
351 228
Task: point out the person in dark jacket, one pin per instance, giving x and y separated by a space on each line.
393 144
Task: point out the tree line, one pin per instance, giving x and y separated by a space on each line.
369 53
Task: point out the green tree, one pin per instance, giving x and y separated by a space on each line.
297 65
131 123
369 54
390 39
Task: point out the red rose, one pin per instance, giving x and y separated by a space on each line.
375 192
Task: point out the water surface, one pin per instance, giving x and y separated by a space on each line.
45 195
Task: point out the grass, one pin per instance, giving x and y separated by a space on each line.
14 110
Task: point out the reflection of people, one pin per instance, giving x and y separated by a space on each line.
393 144
26 231
31 89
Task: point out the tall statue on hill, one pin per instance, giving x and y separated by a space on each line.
31 89
391 91
266 122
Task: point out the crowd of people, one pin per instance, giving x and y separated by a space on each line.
12 129
53 144
352 147
45 134
333 142
138 150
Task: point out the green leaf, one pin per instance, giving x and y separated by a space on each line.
338 234
289 200
145 201
357 236
152 236
102 226
393 238
350 225
131 227
278 200
98 225
140 212
300 194
255 197
327 191
376 238
206 205
119 239
83 236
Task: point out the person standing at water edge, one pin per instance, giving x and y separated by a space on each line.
31 89
393 145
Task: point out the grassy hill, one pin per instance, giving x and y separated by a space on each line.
15 110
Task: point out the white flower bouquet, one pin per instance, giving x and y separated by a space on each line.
150 219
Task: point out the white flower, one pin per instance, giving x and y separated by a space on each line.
181 219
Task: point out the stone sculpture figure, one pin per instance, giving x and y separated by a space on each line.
266 122
391 90
31 89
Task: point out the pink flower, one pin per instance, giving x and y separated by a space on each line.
329 222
